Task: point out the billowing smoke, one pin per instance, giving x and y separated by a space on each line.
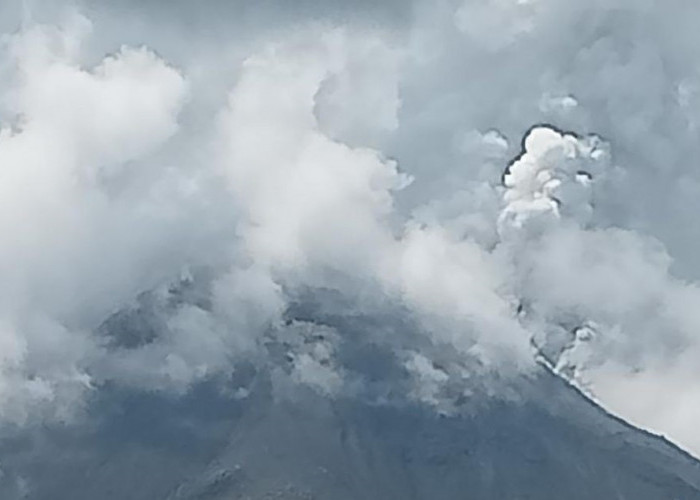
179 209
552 179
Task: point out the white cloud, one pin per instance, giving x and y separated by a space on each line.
72 252
362 160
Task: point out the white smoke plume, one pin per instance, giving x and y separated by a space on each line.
166 201
552 179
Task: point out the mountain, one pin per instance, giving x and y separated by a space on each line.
552 443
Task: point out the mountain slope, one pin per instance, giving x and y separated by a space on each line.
554 443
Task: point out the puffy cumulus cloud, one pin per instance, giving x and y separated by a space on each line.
306 197
164 216
605 310
315 206
123 276
76 247
552 178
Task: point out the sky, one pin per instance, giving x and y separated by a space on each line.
516 179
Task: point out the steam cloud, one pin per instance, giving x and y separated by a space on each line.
164 207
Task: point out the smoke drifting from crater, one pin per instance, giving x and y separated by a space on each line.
167 202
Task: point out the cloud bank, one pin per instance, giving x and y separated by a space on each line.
498 184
